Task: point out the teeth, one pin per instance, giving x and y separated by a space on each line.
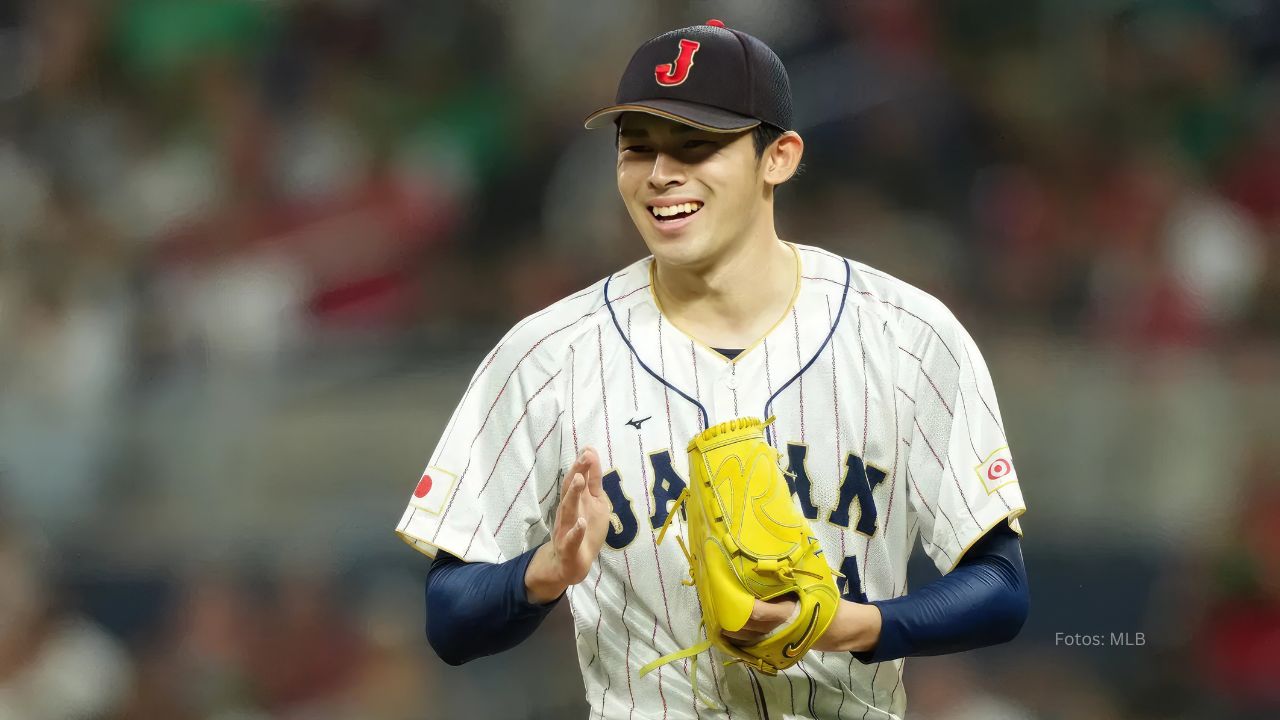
670 210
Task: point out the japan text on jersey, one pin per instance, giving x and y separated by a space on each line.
886 416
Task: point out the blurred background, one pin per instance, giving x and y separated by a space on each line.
252 250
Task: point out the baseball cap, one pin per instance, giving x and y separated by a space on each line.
708 76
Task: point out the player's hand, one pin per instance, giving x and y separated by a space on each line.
765 618
856 626
582 522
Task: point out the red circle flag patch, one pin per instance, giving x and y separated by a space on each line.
998 469
433 489
424 486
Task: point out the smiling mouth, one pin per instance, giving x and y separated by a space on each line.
670 213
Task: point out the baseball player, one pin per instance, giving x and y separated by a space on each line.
566 453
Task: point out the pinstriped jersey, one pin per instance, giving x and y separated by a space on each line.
886 415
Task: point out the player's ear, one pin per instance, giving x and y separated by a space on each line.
782 157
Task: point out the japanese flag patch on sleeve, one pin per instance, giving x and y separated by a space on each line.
433 490
997 471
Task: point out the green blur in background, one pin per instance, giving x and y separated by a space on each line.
252 250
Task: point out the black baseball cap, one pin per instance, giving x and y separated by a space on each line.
708 76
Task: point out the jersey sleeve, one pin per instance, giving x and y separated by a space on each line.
488 489
960 468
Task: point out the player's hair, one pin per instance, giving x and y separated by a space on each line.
763 135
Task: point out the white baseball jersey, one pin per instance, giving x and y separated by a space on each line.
885 412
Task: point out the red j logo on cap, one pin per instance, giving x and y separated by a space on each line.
671 74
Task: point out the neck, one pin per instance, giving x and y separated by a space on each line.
734 299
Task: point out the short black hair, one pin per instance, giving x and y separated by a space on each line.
763 135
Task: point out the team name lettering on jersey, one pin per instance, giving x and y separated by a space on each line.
885 413
859 483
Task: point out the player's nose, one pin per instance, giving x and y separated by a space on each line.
667 171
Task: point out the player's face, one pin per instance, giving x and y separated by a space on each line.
690 192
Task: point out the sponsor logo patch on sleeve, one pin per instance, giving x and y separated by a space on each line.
997 470
433 489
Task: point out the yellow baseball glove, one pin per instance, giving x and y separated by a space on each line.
748 541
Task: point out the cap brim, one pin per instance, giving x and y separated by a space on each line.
703 117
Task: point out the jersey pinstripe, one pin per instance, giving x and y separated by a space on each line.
885 410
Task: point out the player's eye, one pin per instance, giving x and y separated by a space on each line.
636 148
692 144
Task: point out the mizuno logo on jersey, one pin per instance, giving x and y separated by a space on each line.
637 423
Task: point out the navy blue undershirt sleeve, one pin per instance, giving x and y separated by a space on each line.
983 601
478 609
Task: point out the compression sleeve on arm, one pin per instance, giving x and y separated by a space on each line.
983 601
477 609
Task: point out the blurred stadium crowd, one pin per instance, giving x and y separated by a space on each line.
251 250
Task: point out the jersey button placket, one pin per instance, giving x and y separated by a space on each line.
724 388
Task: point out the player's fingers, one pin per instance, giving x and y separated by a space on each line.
573 538
742 638
594 474
759 627
579 465
604 505
574 497
569 501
